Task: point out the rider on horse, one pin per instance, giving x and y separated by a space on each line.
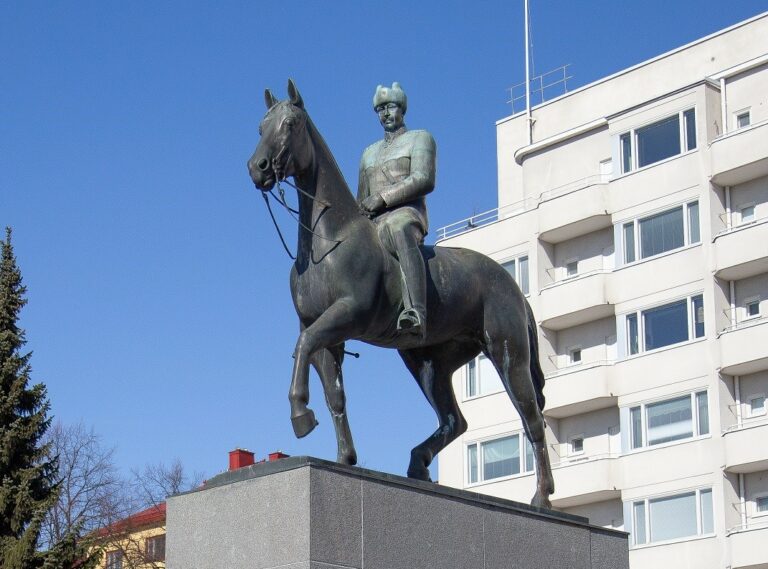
395 175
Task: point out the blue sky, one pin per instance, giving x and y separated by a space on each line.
159 310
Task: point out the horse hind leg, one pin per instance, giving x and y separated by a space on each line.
432 368
512 362
327 362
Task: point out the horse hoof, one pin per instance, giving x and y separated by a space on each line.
304 424
541 501
347 458
419 474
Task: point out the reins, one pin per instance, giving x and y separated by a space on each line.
292 212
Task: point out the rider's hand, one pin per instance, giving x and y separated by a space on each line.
372 205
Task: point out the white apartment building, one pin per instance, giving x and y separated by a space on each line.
634 215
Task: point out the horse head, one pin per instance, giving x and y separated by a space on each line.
284 148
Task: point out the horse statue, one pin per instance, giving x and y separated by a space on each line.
345 286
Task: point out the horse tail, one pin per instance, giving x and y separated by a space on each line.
533 341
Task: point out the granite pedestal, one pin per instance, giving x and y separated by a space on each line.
307 513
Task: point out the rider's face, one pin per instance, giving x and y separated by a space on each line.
391 116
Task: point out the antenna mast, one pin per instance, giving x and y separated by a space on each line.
529 119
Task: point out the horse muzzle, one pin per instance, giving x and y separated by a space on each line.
262 173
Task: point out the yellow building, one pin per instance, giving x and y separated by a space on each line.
136 542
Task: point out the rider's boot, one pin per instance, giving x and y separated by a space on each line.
413 319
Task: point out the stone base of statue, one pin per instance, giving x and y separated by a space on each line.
307 513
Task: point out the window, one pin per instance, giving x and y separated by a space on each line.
574 355
672 517
114 560
665 325
752 307
661 232
155 548
499 458
761 504
747 214
657 141
576 445
742 119
571 268
482 378
518 268
756 405
669 420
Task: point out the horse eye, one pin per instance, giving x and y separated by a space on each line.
289 123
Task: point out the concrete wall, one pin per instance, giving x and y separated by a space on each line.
748 91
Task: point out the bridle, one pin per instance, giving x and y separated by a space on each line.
276 167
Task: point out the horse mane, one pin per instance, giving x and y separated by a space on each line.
322 146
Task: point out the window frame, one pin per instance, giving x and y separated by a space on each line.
750 413
151 551
569 353
524 445
642 410
756 499
628 153
751 218
636 245
571 440
738 115
647 522
751 301
474 364
114 559
517 273
637 316
567 266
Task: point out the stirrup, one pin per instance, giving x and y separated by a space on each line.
410 321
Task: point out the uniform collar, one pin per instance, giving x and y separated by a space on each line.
389 137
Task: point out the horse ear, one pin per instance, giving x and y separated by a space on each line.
294 94
269 99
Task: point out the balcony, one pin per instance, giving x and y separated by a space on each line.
743 348
745 449
741 252
574 210
575 301
747 546
585 481
579 389
740 156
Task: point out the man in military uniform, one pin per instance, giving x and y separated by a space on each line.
395 175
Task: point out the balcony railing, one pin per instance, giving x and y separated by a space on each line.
517 208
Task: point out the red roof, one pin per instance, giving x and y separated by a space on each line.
150 516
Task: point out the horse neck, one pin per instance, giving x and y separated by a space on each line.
333 205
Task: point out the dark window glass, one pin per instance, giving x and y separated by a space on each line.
524 274
666 325
690 129
658 141
636 427
703 407
501 457
632 333
693 223
662 232
629 242
670 420
626 152
698 316
471 378
472 458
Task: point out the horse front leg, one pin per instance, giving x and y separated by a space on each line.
328 363
331 328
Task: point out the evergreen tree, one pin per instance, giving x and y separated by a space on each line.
28 487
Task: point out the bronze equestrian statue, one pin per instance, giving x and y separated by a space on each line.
346 285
